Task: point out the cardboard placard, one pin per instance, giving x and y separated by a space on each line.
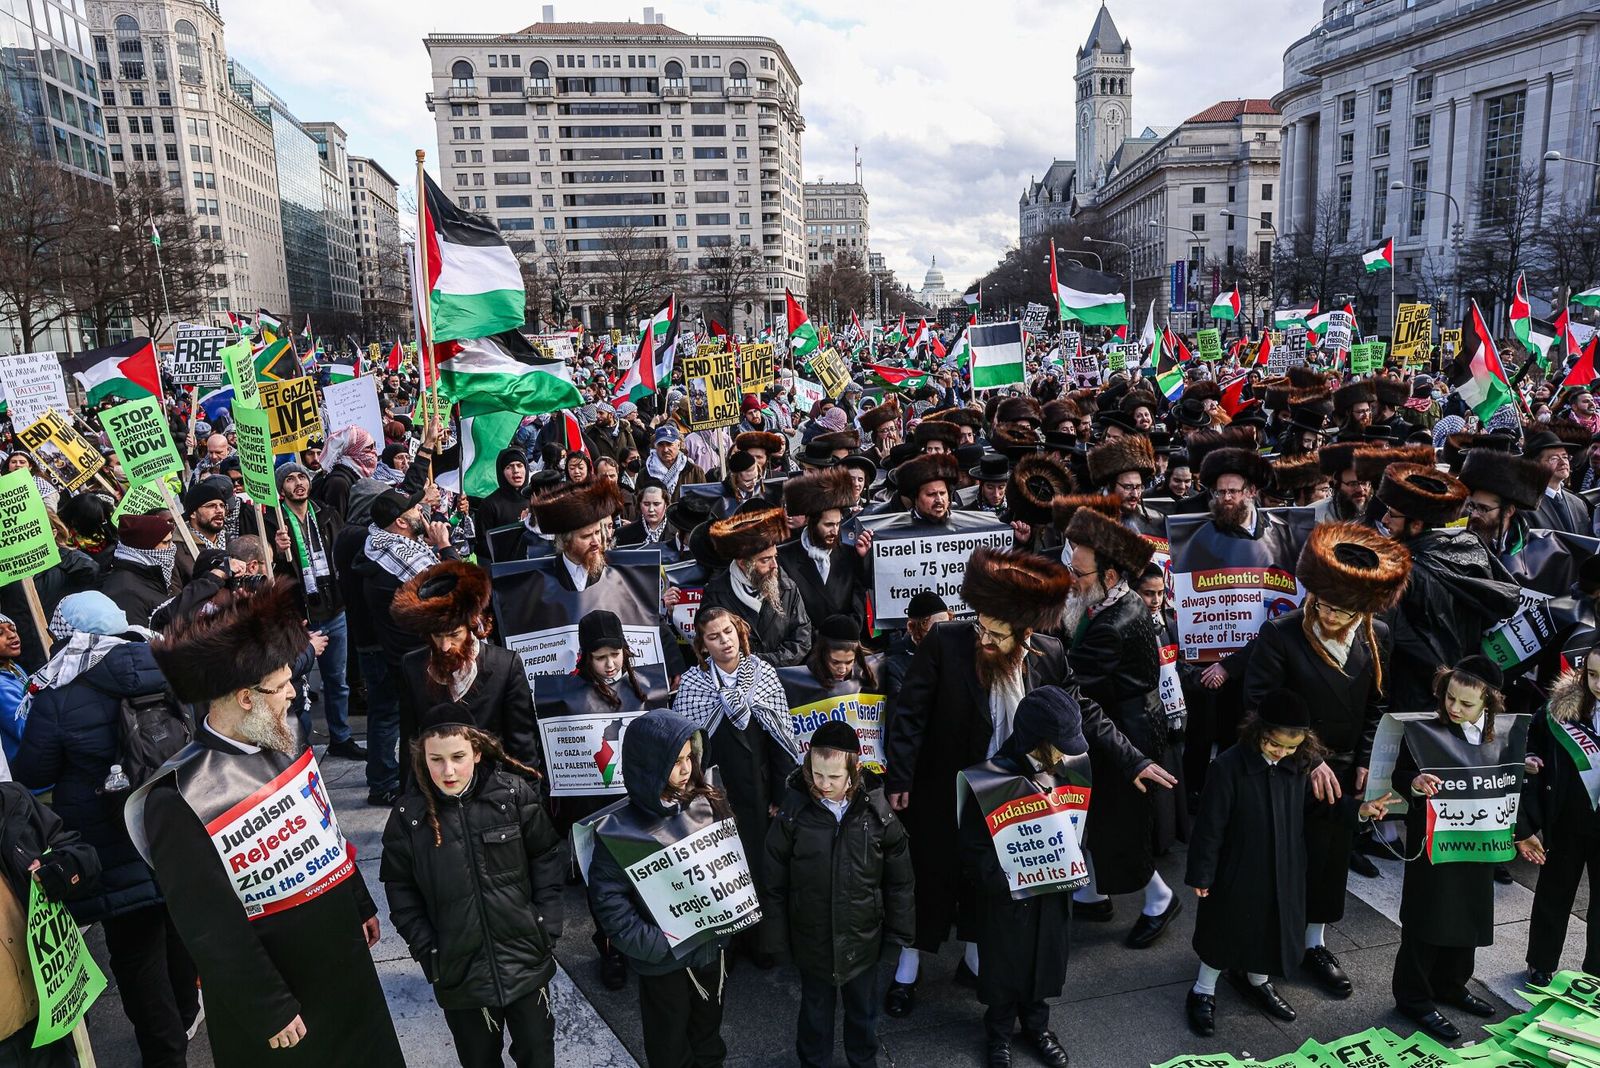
831 372
239 364
27 542
909 557
352 403
142 440
756 369
254 428
65 976
1360 359
1449 343
1225 587
1336 336
296 416
712 381
1036 822
33 385
811 704
142 500
197 354
65 454
1208 343
1413 333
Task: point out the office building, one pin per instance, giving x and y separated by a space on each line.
380 251
344 273
836 221
51 85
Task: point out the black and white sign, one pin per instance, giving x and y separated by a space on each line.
197 355
909 556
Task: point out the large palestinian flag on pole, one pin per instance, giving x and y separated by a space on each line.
803 339
658 350
1227 305
1094 298
1476 373
474 282
503 373
1380 258
1534 335
127 371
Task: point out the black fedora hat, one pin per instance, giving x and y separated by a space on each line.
861 463
994 467
816 454
1547 439
689 511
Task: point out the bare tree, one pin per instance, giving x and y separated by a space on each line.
634 273
386 305
727 282
1318 261
38 213
837 288
1505 240
192 266
1570 236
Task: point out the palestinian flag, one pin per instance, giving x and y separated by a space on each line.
1232 399
267 325
974 300
1264 352
396 355
1227 305
126 371
474 282
1093 298
855 326
919 336
503 373
1530 331
997 354
960 354
1380 258
1583 370
1585 756
803 340
1589 298
306 333
895 379
1316 326
468 466
718 330
1148 340
1172 348
658 350
1476 373
237 325
1286 318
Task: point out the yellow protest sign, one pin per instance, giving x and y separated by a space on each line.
63 452
712 380
1449 343
831 372
294 411
709 348
1413 333
756 370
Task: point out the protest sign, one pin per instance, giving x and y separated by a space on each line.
831 372
1336 336
807 393
1117 357
1036 822
254 428
1449 344
1360 359
197 354
1385 751
711 348
1071 342
538 613
624 355
582 736
1225 587
1473 816
1294 339
33 385
1084 370
141 500
65 976
240 366
712 381
756 370
142 440
65 454
1034 316
813 703
1377 353
909 556
292 407
1170 688
1413 333
352 403
688 577
1208 343
27 543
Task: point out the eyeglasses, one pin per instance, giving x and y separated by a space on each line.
1228 494
1354 482
1478 508
993 635
1081 574
1334 610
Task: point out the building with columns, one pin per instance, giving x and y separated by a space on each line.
1455 97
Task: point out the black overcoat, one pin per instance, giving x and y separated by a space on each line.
845 592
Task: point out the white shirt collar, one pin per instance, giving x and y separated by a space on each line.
838 808
233 742
580 576
1473 731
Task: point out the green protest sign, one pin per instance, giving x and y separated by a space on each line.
255 454
65 976
1360 359
140 500
240 364
27 544
143 443
1116 358
1377 352
1208 343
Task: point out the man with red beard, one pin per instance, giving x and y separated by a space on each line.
754 587
829 574
579 522
1350 491
955 710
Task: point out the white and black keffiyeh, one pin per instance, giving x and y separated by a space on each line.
754 690
404 558
162 558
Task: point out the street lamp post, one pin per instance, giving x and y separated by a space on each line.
1228 213
1154 225
1398 186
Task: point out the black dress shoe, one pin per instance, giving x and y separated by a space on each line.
1474 1004
965 976
1538 978
1048 1049
999 1055
349 749
1323 966
1362 865
1093 912
900 999
1502 875
1146 929
613 970
1264 997
382 798
1202 1012
1433 1021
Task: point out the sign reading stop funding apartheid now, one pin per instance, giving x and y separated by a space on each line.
292 407
1473 816
27 544
1036 822
712 379
255 454
63 452
909 556
65 976
142 440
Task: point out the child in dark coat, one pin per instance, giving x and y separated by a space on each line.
841 891
1247 859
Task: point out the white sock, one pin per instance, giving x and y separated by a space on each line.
1206 981
910 964
1157 896
1256 979
971 957
1314 935
1087 894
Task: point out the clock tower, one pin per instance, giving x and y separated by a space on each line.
1104 95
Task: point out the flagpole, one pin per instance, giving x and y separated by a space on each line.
428 354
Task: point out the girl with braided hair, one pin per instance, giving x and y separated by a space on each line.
474 870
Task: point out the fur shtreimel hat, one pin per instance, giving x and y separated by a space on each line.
1303 377
1511 478
1337 457
815 493
447 595
1422 492
1347 397
1113 543
1059 411
1027 591
936 430
1370 462
1014 444
885 413
1035 482
1063 508
1131 452
1203 390
911 476
578 507
1246 463
838 439
771 444
1291 474
1013 408
1201 443
1391 391
744 534
207 656
1353 567
958 416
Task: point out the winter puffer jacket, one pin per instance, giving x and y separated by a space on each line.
480 911
70 741
839 889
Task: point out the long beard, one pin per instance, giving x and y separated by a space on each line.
1230 513
1338 635
993 665
768 589
1488 533
261 727
445 664
1078 605
594 563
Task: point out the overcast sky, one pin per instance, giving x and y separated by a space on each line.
953 103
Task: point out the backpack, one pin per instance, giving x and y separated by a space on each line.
151 728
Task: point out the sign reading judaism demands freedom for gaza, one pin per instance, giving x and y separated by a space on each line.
712 382
909 557
197 354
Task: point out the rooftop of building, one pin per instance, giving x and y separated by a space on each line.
1231 110
1103 34
599 29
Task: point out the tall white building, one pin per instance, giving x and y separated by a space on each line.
836 221
171 109
575 136
375 222
1104 91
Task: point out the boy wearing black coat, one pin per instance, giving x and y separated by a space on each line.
841 889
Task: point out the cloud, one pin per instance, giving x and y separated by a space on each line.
953 106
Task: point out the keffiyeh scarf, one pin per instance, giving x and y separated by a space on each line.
162 558
667 476
707 696
404 558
